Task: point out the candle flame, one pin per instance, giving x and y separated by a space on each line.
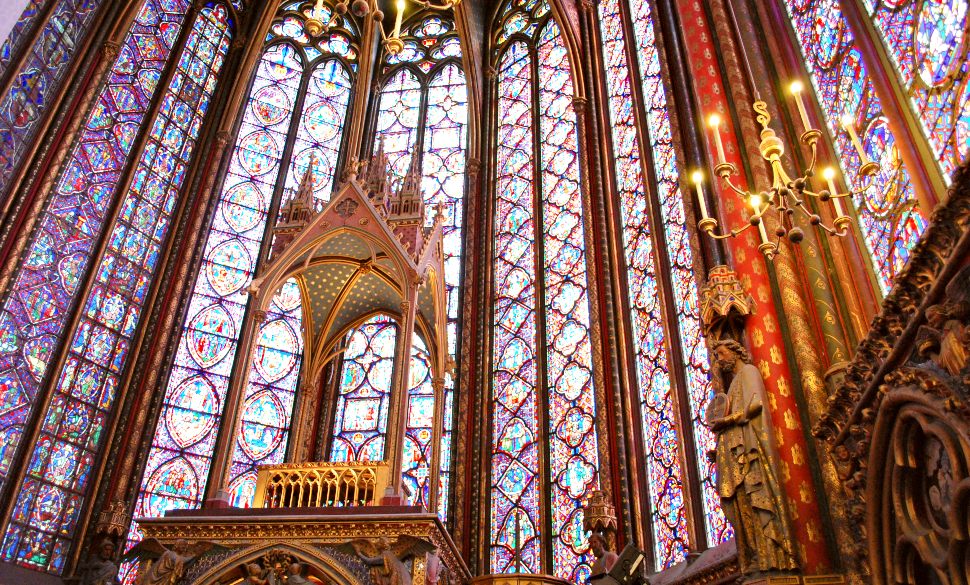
714 120
828 173
697 177
797 87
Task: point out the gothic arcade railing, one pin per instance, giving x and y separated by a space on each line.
297 485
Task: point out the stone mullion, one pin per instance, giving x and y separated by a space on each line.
480 541
158 311
21 213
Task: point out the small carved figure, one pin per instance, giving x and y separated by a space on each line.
255 575
99 569
386 558
746 478
432 567
162 565
605 559
295 576
949 337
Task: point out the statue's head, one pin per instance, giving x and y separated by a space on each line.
597 544
106 549
728 352
181 546
295 568
254 570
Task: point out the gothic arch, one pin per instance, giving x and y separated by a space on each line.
336 571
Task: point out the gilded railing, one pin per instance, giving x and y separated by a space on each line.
298 485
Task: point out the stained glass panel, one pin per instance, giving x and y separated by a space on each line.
178 462
420 425
515 518
39 79
35 311
360 422
927 42
20 32
398 120
573 458
268 405
890 219
50 499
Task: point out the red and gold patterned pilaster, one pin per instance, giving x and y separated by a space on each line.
763 327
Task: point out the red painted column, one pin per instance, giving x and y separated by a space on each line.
763 327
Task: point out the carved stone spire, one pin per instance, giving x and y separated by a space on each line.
296 213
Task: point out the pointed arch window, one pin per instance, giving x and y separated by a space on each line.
39 75
654 235
296 111
423 111
890 219
360 421
542 380
35 312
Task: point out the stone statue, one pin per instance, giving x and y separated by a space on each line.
747 481
162 565
99 569
386 558
294 575
605 559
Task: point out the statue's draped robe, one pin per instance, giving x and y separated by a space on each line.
747 482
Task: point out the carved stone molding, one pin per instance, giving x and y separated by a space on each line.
898 427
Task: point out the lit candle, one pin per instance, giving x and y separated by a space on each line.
829 174
715 123
796 89
698 179
849 124
397 21
755 201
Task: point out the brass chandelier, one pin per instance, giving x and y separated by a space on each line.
315 25
785 195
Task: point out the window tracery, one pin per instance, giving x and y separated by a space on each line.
638 184
540 319
49 502
927 44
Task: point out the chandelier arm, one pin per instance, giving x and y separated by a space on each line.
732 234
734 188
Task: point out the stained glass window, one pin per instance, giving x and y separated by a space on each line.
547 314
36 310
927 42
424 101
890 219
20 32
263 167
50 499
39 77
360 422
652 343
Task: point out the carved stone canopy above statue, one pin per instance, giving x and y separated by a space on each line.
362 254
